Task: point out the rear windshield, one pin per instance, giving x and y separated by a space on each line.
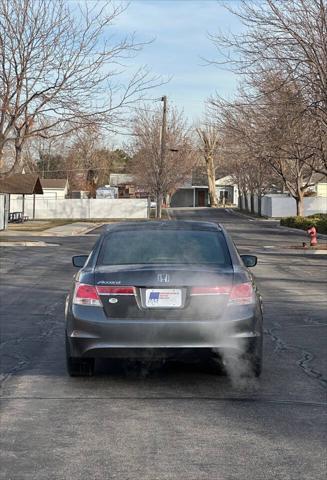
161 247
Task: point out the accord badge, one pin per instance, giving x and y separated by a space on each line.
163 277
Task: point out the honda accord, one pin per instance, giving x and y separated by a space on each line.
162 288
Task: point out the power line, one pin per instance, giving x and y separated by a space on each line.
70 170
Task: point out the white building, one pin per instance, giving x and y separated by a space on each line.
320 185
227 189
55 188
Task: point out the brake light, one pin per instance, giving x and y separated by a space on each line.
105 290
86 295
210 290
242 294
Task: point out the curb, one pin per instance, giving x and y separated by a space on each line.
282 227
248 216
292 252
27 243
299 230
97 225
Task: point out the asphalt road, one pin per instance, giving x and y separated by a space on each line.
178 422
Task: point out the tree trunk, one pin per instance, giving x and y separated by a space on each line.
17 166
159 205
246 201
211 181
252 202
2 144
300 205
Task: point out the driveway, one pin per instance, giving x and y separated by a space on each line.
174 423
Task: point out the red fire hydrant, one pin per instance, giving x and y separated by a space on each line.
313 235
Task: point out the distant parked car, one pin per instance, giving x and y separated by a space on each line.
166 288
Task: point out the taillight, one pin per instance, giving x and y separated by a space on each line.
86 295
210 290
242 294
119 290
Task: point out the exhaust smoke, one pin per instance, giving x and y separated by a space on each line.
217 316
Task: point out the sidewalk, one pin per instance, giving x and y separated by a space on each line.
67 230
77 228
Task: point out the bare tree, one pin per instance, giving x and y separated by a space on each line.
242 154
284 35
88 161
317 143
272 140
283 54
285 131
209 142
161 176
58 69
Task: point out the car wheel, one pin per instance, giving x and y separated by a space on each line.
79 367
215 365
254 356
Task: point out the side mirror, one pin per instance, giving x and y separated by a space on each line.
249 260
79 260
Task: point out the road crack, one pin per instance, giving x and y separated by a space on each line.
303 362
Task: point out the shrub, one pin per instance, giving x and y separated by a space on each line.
318 220
318 215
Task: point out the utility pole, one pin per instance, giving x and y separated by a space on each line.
163 151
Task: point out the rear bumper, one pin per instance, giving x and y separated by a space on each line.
91 333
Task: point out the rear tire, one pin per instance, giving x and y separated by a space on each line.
254 356
215 365
255 365
79 367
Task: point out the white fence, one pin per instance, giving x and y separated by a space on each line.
81 208
279 205
3 210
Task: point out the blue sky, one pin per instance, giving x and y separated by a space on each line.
180 31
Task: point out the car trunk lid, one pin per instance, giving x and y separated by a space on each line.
164 292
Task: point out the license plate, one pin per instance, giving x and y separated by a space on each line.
163 298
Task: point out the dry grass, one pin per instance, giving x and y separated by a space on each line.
37 225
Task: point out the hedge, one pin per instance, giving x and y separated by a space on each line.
318 220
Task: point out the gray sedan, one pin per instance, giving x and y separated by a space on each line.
163 289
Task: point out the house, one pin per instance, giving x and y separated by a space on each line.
227 190
16 187
55 188
51 189
191 194
125 184
320 187
194 192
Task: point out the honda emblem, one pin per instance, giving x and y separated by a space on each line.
163 277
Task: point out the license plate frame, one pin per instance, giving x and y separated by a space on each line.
163 298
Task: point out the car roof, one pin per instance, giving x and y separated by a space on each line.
163 225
